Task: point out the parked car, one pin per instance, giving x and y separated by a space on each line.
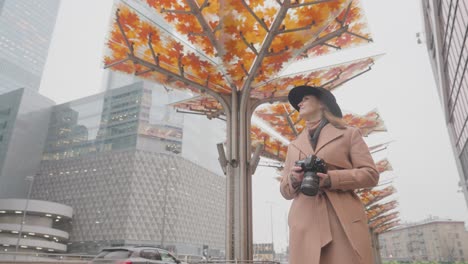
191 258
134 255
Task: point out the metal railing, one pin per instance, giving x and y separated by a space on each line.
235 262
32 257
21 257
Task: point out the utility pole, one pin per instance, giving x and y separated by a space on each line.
271 226
23 219
166 181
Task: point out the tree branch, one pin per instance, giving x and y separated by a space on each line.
250 45
116 63
196 11
324 39
263 51
346 14
359 36
245 70
332 46
130 46
155 58
332 80
142 72
200 34
260 21
357 75
174 76
310 3
205 4
283 31
180 65
173 11
272 53
290 122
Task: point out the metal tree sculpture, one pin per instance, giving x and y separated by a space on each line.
229 50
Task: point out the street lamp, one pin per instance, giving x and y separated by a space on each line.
31 179
271 225
166 181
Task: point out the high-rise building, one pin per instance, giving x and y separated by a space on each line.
430 240
2 2
113 80
117 159
26 28
197 146
24 118
446 29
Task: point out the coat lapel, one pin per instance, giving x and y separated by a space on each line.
303 144
327 135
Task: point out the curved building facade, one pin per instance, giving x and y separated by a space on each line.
45 228
134 197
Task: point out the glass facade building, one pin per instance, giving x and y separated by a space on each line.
446 28
113 120
24 118
26 28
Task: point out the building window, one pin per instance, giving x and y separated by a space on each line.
464 160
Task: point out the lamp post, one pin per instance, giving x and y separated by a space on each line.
166 181
20 233
271 226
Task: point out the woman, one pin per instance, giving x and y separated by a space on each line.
330 227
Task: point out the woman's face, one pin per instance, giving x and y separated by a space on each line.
310 107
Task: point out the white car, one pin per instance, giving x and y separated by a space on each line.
134 255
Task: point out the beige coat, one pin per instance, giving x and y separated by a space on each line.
331 228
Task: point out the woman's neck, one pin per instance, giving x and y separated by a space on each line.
315 118
313 122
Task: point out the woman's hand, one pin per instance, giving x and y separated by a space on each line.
296 177
324 180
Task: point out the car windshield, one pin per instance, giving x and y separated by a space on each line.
114 254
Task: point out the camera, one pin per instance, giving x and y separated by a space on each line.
310 166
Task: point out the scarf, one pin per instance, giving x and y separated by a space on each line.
314 132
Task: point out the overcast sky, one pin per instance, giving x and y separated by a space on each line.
400 85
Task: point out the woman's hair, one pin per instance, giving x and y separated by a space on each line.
334 120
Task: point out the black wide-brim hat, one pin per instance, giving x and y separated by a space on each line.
325 96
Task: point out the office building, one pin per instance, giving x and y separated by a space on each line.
446 32
26 29
117 159
24 118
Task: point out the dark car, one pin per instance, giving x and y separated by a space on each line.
134 255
